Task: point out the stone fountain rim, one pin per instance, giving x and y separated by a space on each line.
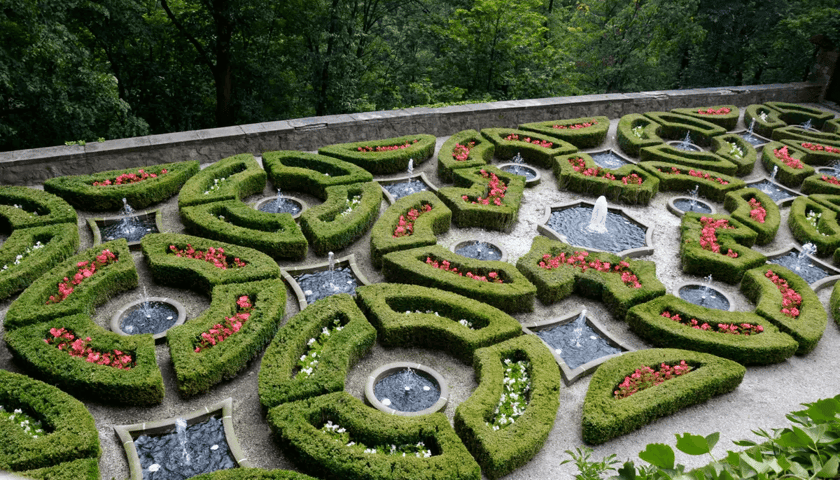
756 147
690 283
405 178
674 144
528 183
464 243
672 207
614 152
94 222
819 284
392 368
116 320
781 203
288 275
303 204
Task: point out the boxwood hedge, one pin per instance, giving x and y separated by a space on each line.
595 183
424 230
825 235
232 178
573 130
738 204
736 150
786 175
697 160
819 183
24 207
817 152
792 113
796 134
471 183
832 126
630 142
679 178
727 120
674 126
527 144
392 159
59 242
311 173
834 303
766 119
697 260
480 153
331 226
253 474
83 468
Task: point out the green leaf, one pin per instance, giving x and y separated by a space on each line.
693 444
658 455
712 440
822 411
756 465
627 472
829 469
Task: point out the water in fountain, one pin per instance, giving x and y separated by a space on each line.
130 227
576 342
331 263
704 295
571 225
598 220
181 431
188 451
807 126
608 160
335 280
802 259
402 189
149 317
750 137
686 144
518 168
800 264
773 173
281 204
410 167
479 251
692 204
769 187
407 391
694 193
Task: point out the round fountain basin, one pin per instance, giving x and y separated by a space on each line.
407 389
290 205
200 448
753 139
680 205
480 250
165 314
622 234
773 190
695 293
685 146
532 176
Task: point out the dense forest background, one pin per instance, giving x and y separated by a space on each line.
87 69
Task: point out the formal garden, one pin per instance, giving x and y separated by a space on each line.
490 304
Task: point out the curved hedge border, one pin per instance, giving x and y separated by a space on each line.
558 283
834 303
698 160
480 154
614 190
722 145
426 227
232 221
808 327
409 266
80 192
296 426
392 309
70 430
768 347
826 237
832 126
243 176
325 227
681 182
253 474
728 121
816 185
630 143
787 176
796 135
469 182
502 451
793 113
344 348
585 137
763 127
531 153
738 204
698 261
605 417
674 126
197 372
813 156
391 161
50 208
83 468
60 241
311 173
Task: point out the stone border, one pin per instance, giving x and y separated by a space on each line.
782 203
694 147
346 261
759 147
613 151
303 205
160 336
672 207
97 223
464 243
528 183
390 181
720 292
127 434
819 284
391 368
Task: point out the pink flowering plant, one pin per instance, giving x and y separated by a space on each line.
315 346
579 165
696 173
784 155
745 329
816 147
215 256
757 212
579 260
708 235
127 178
221 331
514 398
446 266
576 126
405 225
84 271
712 111
495 191
533 141
830 179
646 377
791 300
67 341
462 152
387 148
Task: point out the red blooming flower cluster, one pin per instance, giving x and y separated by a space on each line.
85 270
783 155
461 152
790 299
406 227
712 111
67 341
579 165
645 377
575 126
216 256
578 260
444 265
820 148
746 329
127 178
495 193
708 234
832 180
220 331
706 176
386 148
757 212
535 141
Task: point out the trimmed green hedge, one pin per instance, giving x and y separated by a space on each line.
813 154
327 229
140 385
60 241
816 185
787 176
738 204
421 148
629 142
70 432
796 135
232 221
243 176
297 429
683 181
722 146
605 417
36 208
280 380
596 185
502 451
698 261
793 113
253 474
584 137
31 306
830 201
556 284
531 153
426 227
826 235
80 192
480 154
832 126
311 173
808 327
199 275
81 469
768 347
674 127
726 120
515 295
834 303
697 160
763 127
392 309
469 182
197 372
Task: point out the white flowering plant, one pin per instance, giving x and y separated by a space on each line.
735 150
309 360
341 435
25 422
514 398
462 321
29 251
217 183
350 204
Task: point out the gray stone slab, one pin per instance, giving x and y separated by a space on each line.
117 146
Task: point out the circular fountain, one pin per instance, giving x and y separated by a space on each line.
517 167
407 389
685 144
154 315
281 203
705 295
128 225
680 205
480 250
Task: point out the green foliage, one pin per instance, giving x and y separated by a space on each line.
737 203
675 126
786 175
766 119
596 185
814 156
60 241
737 150
232 178
295 171
34 208
635 132
794 114
814 222
348 213
586 137
425 230
697 260
726 120
531 153
481 153
471 183
702 160
253 474
710 187
419 148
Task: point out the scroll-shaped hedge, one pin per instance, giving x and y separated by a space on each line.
766 119
735 149
232 221
795 134
535 148
792 171
253 474
346 215
70 432
792 113
281 379
297 428
768 347
27 207
822 151
675 126
765 225
384 237
474 151
635 132
629 183
80 191
31 306
479 185
605 417
195 371
311 173
232 178
603 279
586 132
59 242
734 257
84 468
698 160
401 316
416 266
502 451
807 321
832 126
821 183
814 222
680 178
725 116
390 155
169 269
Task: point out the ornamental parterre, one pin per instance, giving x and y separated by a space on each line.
645 377
532 141
784 155
495 191
462 152
708 235
444 265
127 178
578 260
791 300
745 329
85 270
405 225
576 126
67 341
216 256
221 331
386 148
579 165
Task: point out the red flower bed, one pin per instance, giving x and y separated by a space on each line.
444 265
820 148
708 235
576 126
696 173
535 141
832 180
127 178
216 256
783 155
495 193
578 260
461 152
712 111
386 148
790 299
85 270
405 227
67 341
579 165
757 212
220 331
645 377
746 329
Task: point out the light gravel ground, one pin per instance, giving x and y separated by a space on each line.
761 402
